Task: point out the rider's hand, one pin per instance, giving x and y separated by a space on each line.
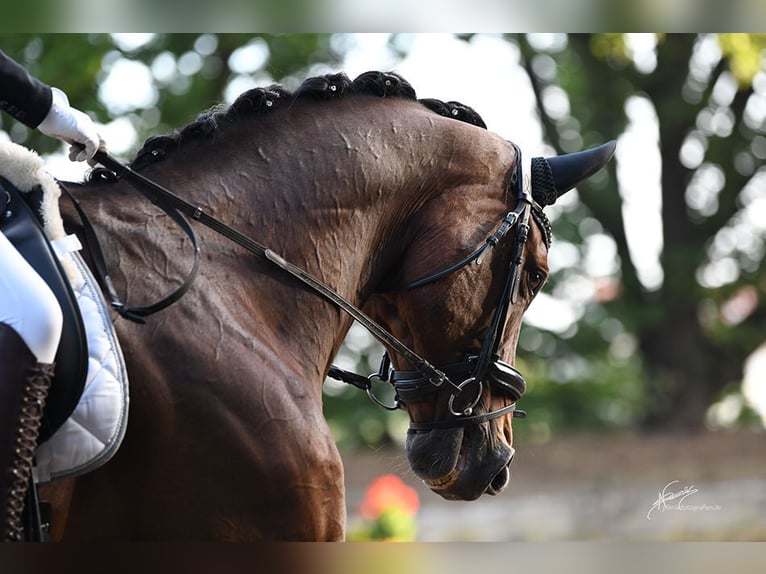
72 126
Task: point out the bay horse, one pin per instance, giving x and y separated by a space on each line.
374 193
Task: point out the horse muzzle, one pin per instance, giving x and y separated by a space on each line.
456 464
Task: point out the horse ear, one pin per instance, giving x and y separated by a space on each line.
554 176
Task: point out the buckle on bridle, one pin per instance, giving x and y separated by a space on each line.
437 378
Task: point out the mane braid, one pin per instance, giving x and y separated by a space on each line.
263 100
454 110
545 224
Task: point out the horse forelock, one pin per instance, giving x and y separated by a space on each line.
265 99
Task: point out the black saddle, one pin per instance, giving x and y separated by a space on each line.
20 223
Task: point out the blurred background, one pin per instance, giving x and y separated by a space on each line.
645 354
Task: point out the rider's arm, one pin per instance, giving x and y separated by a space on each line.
40 106
25 98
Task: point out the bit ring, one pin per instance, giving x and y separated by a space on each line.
469 409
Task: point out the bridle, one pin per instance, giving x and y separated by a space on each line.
409 385
474 369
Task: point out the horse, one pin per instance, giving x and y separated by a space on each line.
374 193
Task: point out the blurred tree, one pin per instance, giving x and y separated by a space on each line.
695 323
187 72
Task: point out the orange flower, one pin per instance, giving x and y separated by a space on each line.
386 492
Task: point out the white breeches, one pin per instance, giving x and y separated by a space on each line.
27 304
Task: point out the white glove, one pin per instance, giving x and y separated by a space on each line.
72 126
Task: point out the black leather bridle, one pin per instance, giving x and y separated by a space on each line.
409 385
486 365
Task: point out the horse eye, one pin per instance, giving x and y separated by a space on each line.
536 278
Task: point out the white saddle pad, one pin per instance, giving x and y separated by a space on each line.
94 431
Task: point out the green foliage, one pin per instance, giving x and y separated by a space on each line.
683 344
573 393
392 524
79 64
745 52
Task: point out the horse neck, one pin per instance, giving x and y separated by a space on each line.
328 186
333 198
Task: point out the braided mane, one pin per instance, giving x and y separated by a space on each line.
326 87
263 100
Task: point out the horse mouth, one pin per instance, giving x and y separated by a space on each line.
446 485
446 482
464 473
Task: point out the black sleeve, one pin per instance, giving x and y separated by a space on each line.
25 98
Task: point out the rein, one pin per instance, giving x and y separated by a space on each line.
176 207
408 384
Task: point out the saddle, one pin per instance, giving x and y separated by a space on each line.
20 224
85 418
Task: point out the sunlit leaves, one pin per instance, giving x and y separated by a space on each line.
745 55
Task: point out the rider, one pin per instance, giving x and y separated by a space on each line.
30 317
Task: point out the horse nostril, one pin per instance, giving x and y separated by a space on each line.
501 480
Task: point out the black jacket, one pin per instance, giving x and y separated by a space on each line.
26 98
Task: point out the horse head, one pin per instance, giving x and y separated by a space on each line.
465 313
